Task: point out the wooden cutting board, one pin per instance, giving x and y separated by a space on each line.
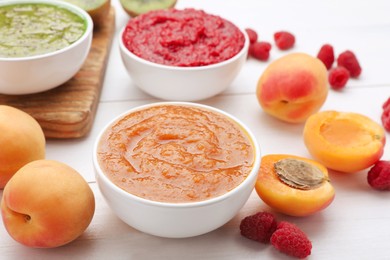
68 111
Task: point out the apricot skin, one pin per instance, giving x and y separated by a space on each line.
342 141
46 204
293 87
21 141
289 200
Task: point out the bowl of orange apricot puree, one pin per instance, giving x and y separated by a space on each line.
176 169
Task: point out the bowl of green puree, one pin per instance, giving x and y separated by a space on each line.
43 44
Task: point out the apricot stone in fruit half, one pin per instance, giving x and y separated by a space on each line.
21 141
344 141
47 204
293 87
137 7
294 185
97 9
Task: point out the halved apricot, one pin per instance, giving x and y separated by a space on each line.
294 185
344 141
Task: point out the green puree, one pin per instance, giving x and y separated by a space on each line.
33 29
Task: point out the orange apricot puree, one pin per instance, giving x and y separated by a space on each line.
175 153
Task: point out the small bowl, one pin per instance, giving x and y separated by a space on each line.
182 83
32 74
177 219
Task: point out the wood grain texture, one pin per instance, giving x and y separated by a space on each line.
68 111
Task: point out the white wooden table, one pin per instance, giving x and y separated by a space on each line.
355 226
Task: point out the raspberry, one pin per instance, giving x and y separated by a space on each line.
258 227
386 104
326 55
252 34
379 176
289 239
285 224
284 40
386 118
386 115
338 77
260 50
348 60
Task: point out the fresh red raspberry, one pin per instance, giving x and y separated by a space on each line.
386 115
291 240
326 55
338 77
386 119
252 34
348 60
285 224
260 50
379 176
284 40
386 104
258 227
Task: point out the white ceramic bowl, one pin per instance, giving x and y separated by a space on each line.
182 83
176 220
32 74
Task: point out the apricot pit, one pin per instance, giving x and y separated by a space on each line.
299 174
294 185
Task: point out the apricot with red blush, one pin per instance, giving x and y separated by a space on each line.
293 87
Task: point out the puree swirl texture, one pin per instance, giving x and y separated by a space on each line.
173 153
28 29
184 38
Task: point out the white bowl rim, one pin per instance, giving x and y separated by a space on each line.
253 173
73 8
243 51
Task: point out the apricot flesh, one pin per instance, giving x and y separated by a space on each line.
21 141
344 141
46 204
291 200
293 87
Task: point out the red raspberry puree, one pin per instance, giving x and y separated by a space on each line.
184 38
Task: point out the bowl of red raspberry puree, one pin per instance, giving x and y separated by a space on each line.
183 55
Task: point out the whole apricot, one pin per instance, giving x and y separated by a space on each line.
293 87
46 204
294 185
21 141
344 141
